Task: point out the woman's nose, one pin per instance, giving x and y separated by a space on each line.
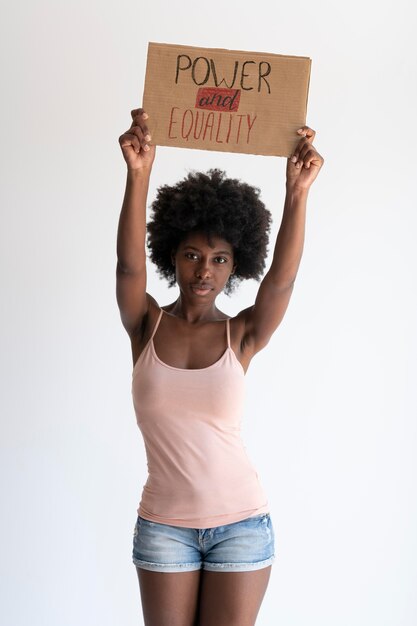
203 270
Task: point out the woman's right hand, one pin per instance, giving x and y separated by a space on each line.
137 152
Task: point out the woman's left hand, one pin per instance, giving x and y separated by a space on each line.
305 164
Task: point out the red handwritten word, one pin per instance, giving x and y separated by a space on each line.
218 99
210 127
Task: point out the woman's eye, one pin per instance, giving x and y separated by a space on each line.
221 259
190 255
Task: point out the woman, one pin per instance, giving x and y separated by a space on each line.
203 539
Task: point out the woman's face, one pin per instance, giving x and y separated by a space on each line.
203 265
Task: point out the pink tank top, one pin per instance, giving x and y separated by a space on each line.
199 473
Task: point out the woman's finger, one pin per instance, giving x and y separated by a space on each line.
138 117
306 157
302 144
139 123
307 132
130 139
306 149
135 112
312 157
307 137
142 135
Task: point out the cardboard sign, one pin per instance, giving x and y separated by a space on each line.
225 100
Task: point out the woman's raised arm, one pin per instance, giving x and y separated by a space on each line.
275 290
131 234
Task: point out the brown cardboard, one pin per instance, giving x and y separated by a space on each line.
225 100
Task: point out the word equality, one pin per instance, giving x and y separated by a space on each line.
248 78
211 127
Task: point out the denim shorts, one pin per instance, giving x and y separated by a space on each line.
238 547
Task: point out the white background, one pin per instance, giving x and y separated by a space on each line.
331 415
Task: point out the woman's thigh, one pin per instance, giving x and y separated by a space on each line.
169 599
231 598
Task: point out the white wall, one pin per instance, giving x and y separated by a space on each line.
331 418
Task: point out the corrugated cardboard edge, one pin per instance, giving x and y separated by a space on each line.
256 53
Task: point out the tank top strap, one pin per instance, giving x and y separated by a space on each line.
228 332
155 328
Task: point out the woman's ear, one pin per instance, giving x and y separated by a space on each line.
234 269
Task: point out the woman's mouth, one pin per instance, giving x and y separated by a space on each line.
201 289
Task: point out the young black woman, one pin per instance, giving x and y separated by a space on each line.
203 539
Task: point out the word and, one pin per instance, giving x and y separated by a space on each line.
218 99
248 77
217 127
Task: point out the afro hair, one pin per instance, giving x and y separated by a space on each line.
218 206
